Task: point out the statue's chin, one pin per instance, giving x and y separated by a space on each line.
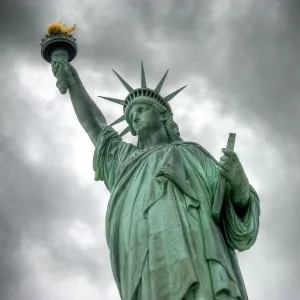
141 132
145 132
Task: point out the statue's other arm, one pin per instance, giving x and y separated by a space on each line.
87 112
240 230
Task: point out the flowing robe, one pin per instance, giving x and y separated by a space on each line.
163 242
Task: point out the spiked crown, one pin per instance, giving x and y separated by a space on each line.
140 93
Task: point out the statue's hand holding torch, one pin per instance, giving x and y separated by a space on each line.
63 71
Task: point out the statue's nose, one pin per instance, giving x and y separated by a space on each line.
135 117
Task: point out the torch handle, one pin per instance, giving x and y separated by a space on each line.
220 192
62 77
62 82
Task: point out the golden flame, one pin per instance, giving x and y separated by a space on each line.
59 27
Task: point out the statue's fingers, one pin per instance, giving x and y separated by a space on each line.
234 157
64 62
227 152
59 69
59 82
225 165
224 158
227 161
224 172
230 163
54 70
53 59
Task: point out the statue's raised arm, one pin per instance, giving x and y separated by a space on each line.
87 112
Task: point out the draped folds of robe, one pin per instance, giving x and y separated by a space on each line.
163 242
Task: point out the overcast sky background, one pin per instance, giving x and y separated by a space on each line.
241 62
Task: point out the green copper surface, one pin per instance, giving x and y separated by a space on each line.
164 243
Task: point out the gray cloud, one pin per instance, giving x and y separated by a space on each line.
39 202
247 52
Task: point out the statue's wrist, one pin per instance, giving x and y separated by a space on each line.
74 80
240 196
240 190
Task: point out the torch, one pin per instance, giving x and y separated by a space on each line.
57 46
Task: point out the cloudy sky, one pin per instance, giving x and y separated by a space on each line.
241 63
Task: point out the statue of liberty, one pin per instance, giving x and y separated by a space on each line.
163 242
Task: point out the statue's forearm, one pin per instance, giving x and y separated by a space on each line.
87 112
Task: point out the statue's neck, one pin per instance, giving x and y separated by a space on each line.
158 137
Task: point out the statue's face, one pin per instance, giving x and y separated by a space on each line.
144 119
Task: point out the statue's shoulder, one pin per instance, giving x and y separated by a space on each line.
197 148
111 141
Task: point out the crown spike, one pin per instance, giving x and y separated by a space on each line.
160 84
127 86
172 95
118 101
119 120
126 130
143 77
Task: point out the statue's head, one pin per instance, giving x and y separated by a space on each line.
144 119
146 116
146 111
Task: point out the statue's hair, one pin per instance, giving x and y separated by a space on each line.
170 124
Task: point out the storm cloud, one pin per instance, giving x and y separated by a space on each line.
240 61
